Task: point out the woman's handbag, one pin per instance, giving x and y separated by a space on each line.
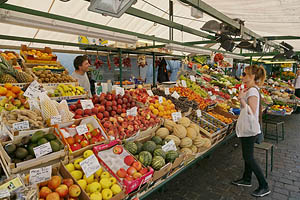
247 124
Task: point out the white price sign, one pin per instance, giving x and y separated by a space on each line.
217 89
176 116
150 93
169 146
40 175
175 95
90 165
4 192
55 120
234 90
167 91
82 129
120 91
87 104
132 111
33 90
230 91
192 78
213 97
33 104
183 83
42 150
160 99
242 86
209 93
199 113
65 133
19 126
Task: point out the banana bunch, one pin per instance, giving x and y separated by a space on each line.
69 90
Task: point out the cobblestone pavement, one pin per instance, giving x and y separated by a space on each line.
210 178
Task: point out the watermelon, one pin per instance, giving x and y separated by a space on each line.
131 147
158 147
149 146
159 152
171 156
145 158
158 162
157 140
139 146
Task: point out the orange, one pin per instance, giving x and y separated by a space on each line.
151 107
3 91
8 86
161 108
15 89
10 94
156 105
155 111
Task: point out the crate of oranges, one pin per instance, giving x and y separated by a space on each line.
163 108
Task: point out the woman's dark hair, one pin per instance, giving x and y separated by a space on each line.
79 60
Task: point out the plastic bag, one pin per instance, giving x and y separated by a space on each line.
64 111
48 107
247 124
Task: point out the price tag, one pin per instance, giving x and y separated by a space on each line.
209 93
217 89
65 133
40 175
90 165
150 93
175 95
230 91
199 113
82 129
169 146
192 78
183 83
176 116
120 91
235 98
55 120
234 90
167 91
132 111
19 126
4 192
33 90
242 86
33 104
160 99
87 104
213 97
42 150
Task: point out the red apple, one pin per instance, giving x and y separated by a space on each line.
68 182
95 110
107 124
120 101
108 108
108 103
114 108
79 112
100 116
118 149
72 107
78 106
62 190
88 111
101 108
75 147
78 116
137 165
113 113
130 127
93 140
54 182
114 103
103 102
125 100
108 97
143 171
129 178
44 191
122 173
106 114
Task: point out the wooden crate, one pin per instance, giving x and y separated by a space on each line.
13 168
33 59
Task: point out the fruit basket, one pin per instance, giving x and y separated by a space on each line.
77 143
35 149
38 56
113 162
99 182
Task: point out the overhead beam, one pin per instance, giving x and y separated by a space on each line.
159 20
266 54
204 7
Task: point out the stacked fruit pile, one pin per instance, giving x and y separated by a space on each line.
77 141
164 109
14 98
100 185
221 117
67 90
150 153
9 55
24 150
46 67
185 134
57 188
46 76
193 86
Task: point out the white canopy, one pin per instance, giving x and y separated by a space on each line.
266 18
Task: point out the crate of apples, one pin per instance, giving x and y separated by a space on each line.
100 185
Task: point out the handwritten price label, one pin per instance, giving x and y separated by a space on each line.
150 93
176 116
230 91
199 113
234 90
120 91
175 95
132 111
213 97
55 120
183 83
4 192
90 165
42 150
167 91
160 99
169 146
192 78
33 104
209 93
87 104
82 129
33 90
19 126
40 175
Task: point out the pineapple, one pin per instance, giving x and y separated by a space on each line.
6 78
23 77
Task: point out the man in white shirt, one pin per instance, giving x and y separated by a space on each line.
81 65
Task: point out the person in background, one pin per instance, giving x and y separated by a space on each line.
297 87
253 77
81 65
162 75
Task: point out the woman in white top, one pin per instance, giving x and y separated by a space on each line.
253 76
297 84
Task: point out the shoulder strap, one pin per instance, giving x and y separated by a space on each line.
260 107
